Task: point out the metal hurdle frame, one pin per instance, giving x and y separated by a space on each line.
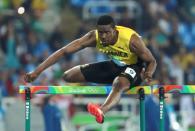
86 90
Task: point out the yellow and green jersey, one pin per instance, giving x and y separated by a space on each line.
119 52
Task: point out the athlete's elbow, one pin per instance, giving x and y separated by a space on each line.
66 50
154 62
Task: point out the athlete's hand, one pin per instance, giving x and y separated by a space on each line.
147 77
30 77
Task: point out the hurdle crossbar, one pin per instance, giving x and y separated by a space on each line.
183 89
78 89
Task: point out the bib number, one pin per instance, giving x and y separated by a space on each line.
131 72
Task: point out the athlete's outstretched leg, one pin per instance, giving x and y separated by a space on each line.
74 75
120 84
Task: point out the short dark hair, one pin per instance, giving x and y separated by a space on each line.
106 20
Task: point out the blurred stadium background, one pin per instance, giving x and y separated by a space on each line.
30 34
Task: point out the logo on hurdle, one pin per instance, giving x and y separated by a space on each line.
161 110
27 110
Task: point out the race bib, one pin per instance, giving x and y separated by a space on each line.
130 71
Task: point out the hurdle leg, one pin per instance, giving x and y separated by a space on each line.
27 109
162 107
142 109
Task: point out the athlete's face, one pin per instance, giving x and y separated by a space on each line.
106 34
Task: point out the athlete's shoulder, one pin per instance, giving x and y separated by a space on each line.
124 28
90 34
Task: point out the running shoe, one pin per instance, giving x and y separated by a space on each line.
95 110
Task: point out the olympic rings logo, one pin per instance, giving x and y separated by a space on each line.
83 91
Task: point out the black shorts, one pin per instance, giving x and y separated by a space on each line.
105 72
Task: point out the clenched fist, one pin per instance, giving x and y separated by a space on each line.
147 77
30 77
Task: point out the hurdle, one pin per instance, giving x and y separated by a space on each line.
105 90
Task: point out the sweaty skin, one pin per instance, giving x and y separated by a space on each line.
107 35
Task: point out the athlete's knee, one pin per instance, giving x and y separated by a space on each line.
73 75
121 84
67 76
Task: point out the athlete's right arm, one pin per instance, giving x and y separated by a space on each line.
88 40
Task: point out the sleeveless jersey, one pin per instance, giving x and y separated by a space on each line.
119 52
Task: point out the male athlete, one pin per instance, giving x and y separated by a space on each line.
127 52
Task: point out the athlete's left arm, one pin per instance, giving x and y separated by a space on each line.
138 47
